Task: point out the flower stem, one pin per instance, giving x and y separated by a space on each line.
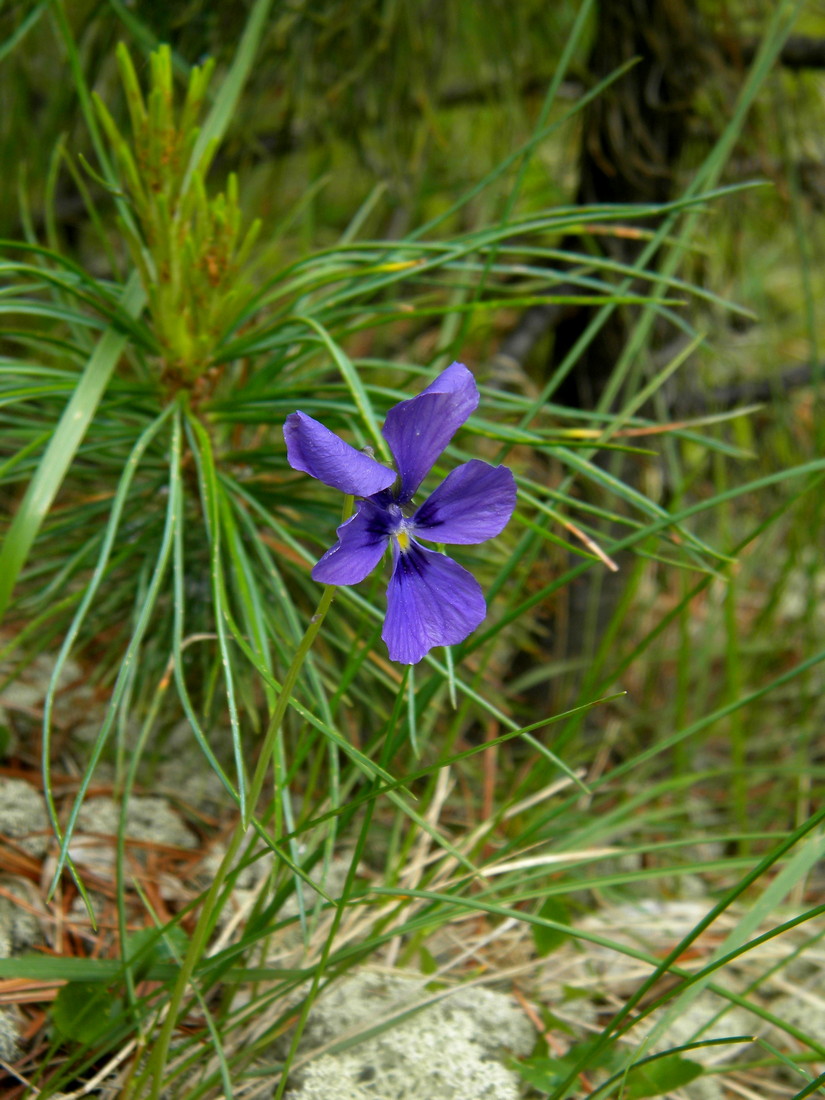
204 927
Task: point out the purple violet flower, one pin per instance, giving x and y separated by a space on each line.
431 599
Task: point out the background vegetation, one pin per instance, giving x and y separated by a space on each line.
216 214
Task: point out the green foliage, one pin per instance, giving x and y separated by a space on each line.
658 1078
545 937
87 1012
95 1012
547 1074
657 1075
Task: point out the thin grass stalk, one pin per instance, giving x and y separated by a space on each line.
198 942
329 941
624 1019
88 596
620 1077
211 504
130 778
677 518
572 43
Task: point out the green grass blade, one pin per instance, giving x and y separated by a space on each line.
217 121
211 504
62 448
173 520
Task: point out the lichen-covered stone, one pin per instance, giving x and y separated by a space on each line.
450 1050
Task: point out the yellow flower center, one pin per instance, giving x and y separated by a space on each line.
403 539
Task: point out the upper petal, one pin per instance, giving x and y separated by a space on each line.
315 450
431 601
418 430
361 543
473 503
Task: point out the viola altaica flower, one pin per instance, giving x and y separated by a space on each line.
431 599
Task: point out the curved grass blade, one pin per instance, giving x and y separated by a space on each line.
211 503
217 121
174 519
62 447
20 32
353 381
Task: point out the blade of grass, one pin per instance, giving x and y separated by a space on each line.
211 504
144 614
62 448
217 121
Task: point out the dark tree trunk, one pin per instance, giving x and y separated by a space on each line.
633 136
632 140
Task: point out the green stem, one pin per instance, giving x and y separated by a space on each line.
203 929
286 692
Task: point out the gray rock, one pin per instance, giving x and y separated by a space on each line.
148 819
705 1088
198 786
19 928
803 1009
9 1034
23 816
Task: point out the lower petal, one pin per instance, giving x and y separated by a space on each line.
361 543
431 600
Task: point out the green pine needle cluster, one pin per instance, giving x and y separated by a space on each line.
189 249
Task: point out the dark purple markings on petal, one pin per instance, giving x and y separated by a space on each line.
473 503
418 430
431 601
361 543
315 450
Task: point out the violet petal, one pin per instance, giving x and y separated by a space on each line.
431 600
315 450
418 430
361 543
473 503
